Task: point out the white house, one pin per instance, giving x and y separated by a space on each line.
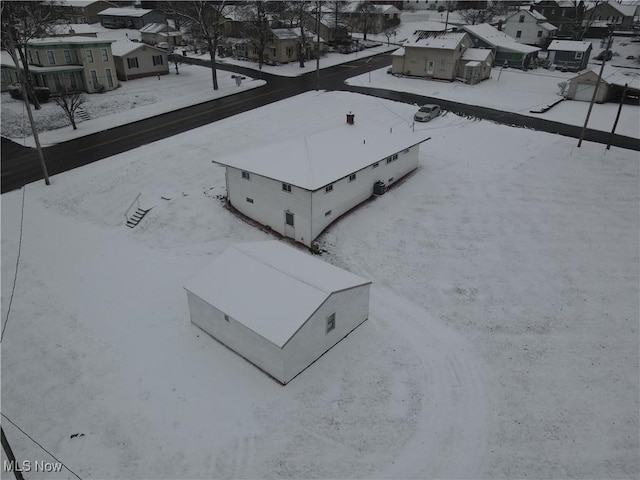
529 27
298 187
277 307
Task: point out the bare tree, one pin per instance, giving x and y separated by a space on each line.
474 17
204 20
299 14
583 21
70 100
21 22
365 15
256 27
389 31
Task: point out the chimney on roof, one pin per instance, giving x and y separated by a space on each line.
350 118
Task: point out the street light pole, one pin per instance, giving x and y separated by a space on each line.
34 130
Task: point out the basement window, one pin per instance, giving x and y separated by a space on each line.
286 187
249 200
519 34
246 175
331 322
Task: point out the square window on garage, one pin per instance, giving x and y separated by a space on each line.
331 322
249 200
327 213
246 175
352 177
286 187
328 188
375 165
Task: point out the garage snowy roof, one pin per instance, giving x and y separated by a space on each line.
569 46
125 12
270 287
317 160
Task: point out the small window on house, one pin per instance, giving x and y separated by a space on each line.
327 213
375 165
389 159
246 175
539 33
406 150
67 56
521 19
519 34
132 62
226 317
328 188
443 64
331 322
2 79
109 76
51 57
352 177
157 60
286 187
395 156
94 78
553 10
391 179
105 55
249 200
90 56
579 55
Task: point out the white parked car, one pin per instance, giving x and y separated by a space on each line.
426 113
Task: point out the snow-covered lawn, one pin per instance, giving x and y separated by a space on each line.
502 339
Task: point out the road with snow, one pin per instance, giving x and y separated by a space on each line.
21 165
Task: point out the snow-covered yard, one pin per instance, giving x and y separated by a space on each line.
502 339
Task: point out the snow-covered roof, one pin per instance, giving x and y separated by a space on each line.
274 288
78 28
125 47
286 33
547 26
569 46
125 12
75 3
156 28
476 54
429 26
445 41
318 160
614 76
496 38
69 40
472 64
398 53
5 59
535 14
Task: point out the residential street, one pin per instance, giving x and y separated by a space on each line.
20 165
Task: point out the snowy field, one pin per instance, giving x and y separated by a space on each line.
502 340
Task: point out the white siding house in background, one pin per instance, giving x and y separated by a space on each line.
529 27
277 307
298 187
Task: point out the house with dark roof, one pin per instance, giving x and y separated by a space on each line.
134 18
154 33
567 15
137 60
569 55
81 11
620 16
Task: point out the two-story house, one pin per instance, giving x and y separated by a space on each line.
506 50
621 17
135 18
565 14
529 27
78 62
81 11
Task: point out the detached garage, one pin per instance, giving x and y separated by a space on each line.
275 306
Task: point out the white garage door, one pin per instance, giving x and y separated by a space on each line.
584 92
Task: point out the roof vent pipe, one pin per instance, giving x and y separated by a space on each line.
350 118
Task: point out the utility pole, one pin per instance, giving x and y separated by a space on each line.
34 130
615 123
17 471
318 45
595 92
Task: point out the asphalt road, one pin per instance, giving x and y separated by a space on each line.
20 165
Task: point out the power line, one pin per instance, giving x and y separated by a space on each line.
38 444
15 276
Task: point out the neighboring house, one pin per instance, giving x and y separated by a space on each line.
409 5
81 63
475 65
332 32
610 88
564 14
569 54
379 16
8 72
81 11
73 30
154 33
621 17
432 55
283 45
134 18
529 27
299 187
137 60
281 309
506 49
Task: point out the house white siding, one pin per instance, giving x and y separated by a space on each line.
236 336
346 193
351 308
529 32
270 202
